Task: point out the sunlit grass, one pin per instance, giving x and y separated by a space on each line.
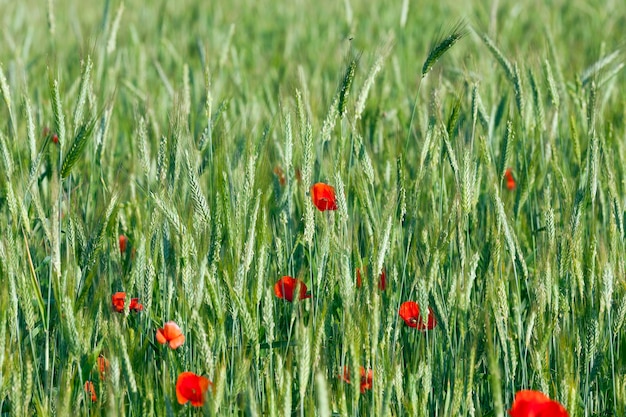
157 164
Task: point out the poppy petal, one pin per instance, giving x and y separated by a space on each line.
535 403
160 337
170 333
382 282
366 379
286 286
191 387
89 388
410 313
510 181
103 366
123 243
117 300
323 196
177 342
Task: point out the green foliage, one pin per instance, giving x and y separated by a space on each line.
195 130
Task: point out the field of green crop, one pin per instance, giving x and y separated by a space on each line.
157 160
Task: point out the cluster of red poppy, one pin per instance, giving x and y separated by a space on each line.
193 388
324 198
189 386
118 300
103 370
288 288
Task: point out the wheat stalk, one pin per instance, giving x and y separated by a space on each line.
519 92
369 81
57 111
537 100
7 158
200 204
502 60
331 120
6 95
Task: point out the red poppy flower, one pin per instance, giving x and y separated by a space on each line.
382 282
510 181
89 388
286 286
118 300
535 404
323 196
410 313
191 387
103 366
170 333
123 241
366 378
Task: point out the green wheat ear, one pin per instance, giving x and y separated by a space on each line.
346 84
78 145
442 44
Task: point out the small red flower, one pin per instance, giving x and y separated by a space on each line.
89 388
191 387
535 404
323 196
170 333
410 313
510 181
135 306
118 299
103 367
286 286
278 171
53 136
366 378
382 282
123 241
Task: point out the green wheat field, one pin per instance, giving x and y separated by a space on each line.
166 150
